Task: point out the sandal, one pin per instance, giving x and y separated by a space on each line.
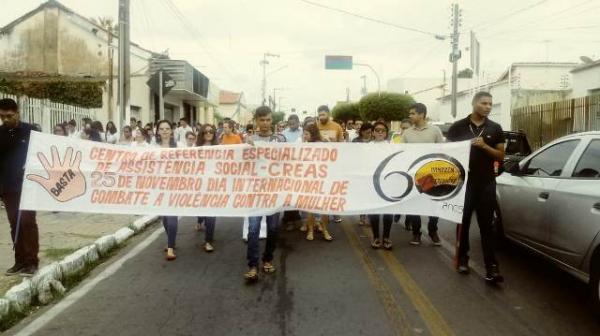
268 267
252 274
327 236
171 254
363 221
387 244
310 236
376 243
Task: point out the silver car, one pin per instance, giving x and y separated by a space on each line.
550 203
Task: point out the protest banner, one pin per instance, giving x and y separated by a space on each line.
65 174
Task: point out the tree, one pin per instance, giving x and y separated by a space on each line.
387 105
277 117
465 73
345 111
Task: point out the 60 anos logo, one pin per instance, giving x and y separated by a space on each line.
439 176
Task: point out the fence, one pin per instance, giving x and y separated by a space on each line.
546 122
47 114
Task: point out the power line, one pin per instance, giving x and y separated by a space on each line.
508 15
343 11
196 34
546 18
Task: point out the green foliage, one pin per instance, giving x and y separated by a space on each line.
465 73
387 105
79 93
345 111
277 117
218 117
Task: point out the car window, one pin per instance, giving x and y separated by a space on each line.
516 144
552 160
589 163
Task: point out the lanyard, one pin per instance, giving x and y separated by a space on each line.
476 135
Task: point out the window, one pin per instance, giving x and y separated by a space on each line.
552 160
589 163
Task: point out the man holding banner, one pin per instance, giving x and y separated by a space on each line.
263 119
487 146
14 142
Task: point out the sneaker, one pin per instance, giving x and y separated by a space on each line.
435 239
252 274
28 271
463 266
492 275
337 219
208 247
16 269
416 240
387 244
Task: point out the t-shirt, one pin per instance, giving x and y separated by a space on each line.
427 134
231 139
331 131
352 134
292 136
272 138
481 164
180 133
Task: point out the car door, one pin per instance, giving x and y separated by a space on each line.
574 216
523 198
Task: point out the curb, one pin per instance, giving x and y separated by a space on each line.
48 281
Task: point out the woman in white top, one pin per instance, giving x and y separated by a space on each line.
112 134
141 138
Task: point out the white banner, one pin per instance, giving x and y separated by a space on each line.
65 174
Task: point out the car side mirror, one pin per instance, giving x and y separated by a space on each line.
512 167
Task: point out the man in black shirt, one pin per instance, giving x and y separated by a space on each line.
487 146
14 142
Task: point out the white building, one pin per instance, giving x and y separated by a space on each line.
586 80
520 85
53 39
232 105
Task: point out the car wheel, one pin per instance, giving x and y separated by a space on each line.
595 284
498 228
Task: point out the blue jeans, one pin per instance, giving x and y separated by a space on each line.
209 233
253 239
170 225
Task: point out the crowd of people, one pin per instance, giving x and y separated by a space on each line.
486 137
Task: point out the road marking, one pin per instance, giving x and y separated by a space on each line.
395 314
87 286
435 322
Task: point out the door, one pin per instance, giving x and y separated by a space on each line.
524 199
574 216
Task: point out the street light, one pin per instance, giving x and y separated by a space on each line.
264 64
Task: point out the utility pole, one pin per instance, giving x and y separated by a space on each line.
111 55
364 91
264 64
455 54
124 72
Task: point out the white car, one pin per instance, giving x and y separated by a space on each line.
550 203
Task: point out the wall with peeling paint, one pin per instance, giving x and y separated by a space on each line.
57 42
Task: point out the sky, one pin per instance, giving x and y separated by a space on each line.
226 39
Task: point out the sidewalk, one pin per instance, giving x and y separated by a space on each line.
60 234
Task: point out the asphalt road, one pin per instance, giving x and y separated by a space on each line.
338 288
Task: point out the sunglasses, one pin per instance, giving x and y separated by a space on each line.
209 132
379 130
